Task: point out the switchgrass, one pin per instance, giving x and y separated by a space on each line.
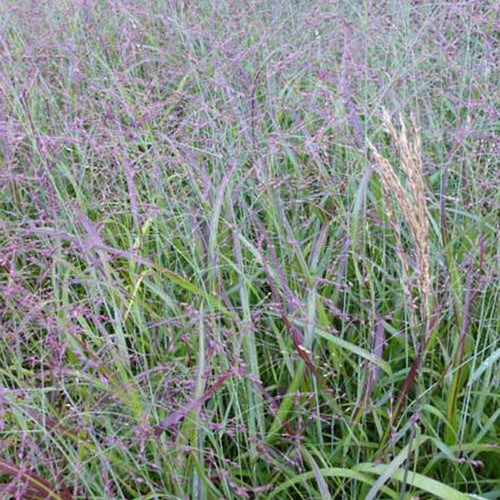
248 250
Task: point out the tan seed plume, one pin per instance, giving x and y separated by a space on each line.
411 201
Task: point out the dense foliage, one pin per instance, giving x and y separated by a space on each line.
249 249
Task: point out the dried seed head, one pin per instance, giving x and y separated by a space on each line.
411 200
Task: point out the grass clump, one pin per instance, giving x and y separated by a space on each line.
226 271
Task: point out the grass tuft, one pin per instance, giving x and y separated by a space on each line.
227 270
